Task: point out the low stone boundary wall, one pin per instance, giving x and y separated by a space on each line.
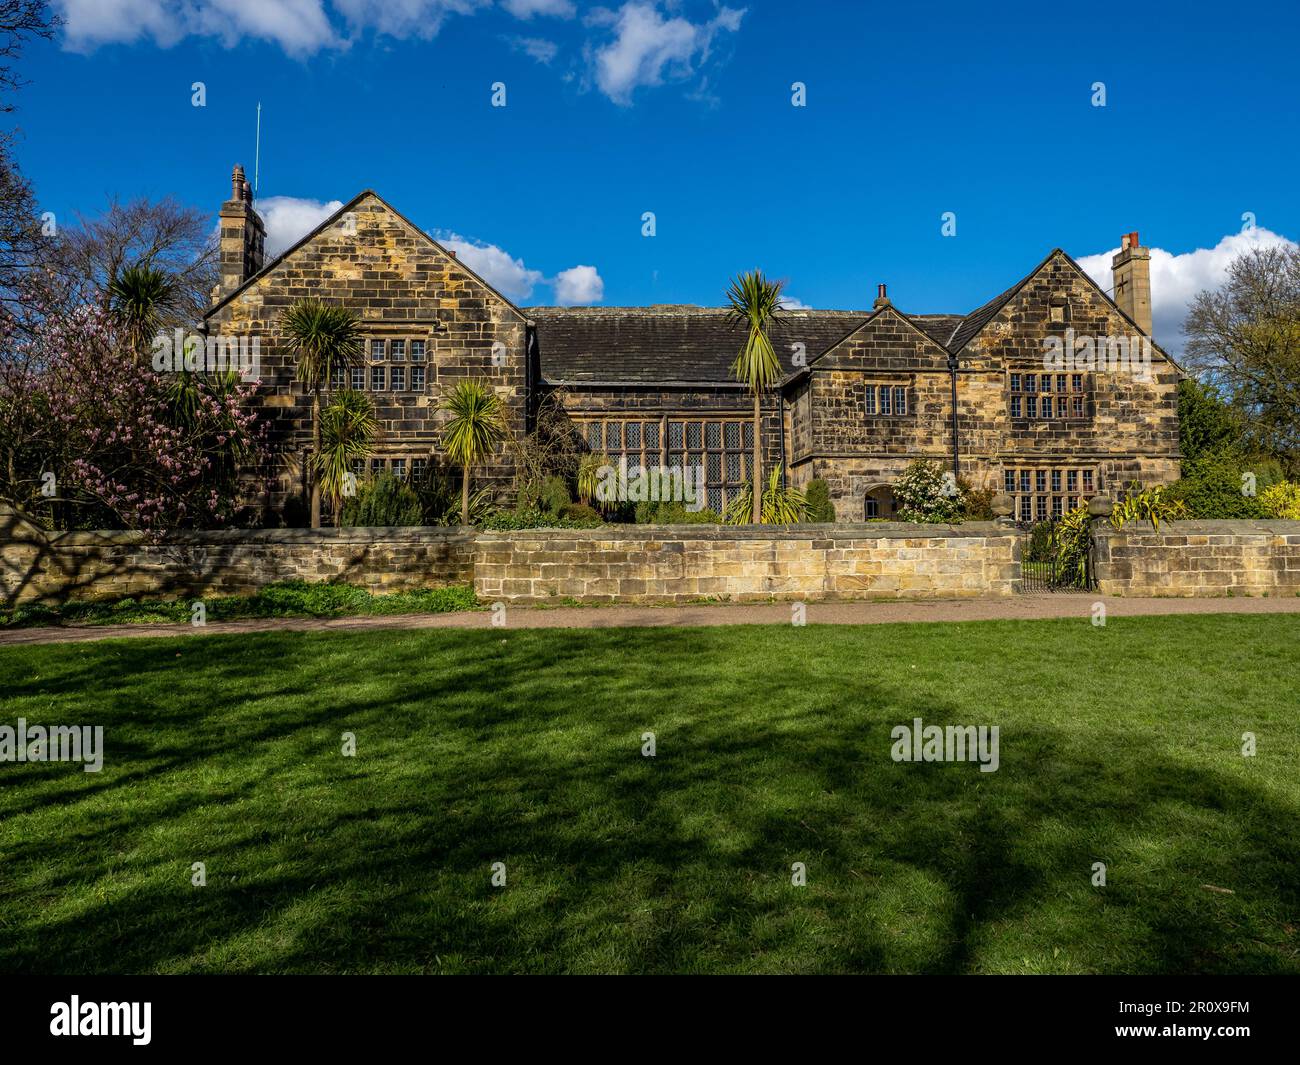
1199 558
685 562
55 567
631 564
642 563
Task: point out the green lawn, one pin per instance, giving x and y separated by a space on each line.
1119 744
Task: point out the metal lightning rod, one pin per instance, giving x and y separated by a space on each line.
257 152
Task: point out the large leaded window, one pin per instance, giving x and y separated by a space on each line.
388 364
723 446
1048 396
1047 493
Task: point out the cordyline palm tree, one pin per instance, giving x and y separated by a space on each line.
755 302
348 429
141 297
324 337
476 427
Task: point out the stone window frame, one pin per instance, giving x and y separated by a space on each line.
720 489
1020 399
389 360
872 405
1041 492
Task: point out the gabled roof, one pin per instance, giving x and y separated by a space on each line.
267 268
971 325
668 343
974 323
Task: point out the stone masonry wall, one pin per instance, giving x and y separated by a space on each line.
55 567
682 563
1200 558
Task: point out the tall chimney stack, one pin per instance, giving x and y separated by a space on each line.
243 235
1132 272
882 300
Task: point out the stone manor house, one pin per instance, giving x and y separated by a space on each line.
865 392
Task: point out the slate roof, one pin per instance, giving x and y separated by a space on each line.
668 343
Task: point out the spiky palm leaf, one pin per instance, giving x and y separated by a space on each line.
781 506
141 297
589 466
348 430
323 337
755 303
476 427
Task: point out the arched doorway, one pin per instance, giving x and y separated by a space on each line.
880 503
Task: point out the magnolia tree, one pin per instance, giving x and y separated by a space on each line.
90 434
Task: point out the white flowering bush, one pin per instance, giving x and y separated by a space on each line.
927 492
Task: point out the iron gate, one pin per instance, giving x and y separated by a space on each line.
1043 570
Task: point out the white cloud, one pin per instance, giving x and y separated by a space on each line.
300 27
529 8
647 48
793 303
535 48
578 285
289 218
496 266
1177 278
404 18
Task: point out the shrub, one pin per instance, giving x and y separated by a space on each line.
1040 542
439 493
1281 500
382 502
550 495
581 512
820 507
1211 488
674 513
1147 504
532 518
927 492
977 503
1069 546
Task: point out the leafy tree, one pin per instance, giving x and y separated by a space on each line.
1244 338
755 303
109 433
1206 424
324 337
476 427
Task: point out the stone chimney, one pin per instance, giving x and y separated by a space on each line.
243 235
882 300
1132 272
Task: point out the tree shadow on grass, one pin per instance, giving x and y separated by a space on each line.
475 748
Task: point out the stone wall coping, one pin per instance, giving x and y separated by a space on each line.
406 534
880 530
1220 526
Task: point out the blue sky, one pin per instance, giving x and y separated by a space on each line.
684 109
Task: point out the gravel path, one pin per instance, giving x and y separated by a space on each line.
1025 607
